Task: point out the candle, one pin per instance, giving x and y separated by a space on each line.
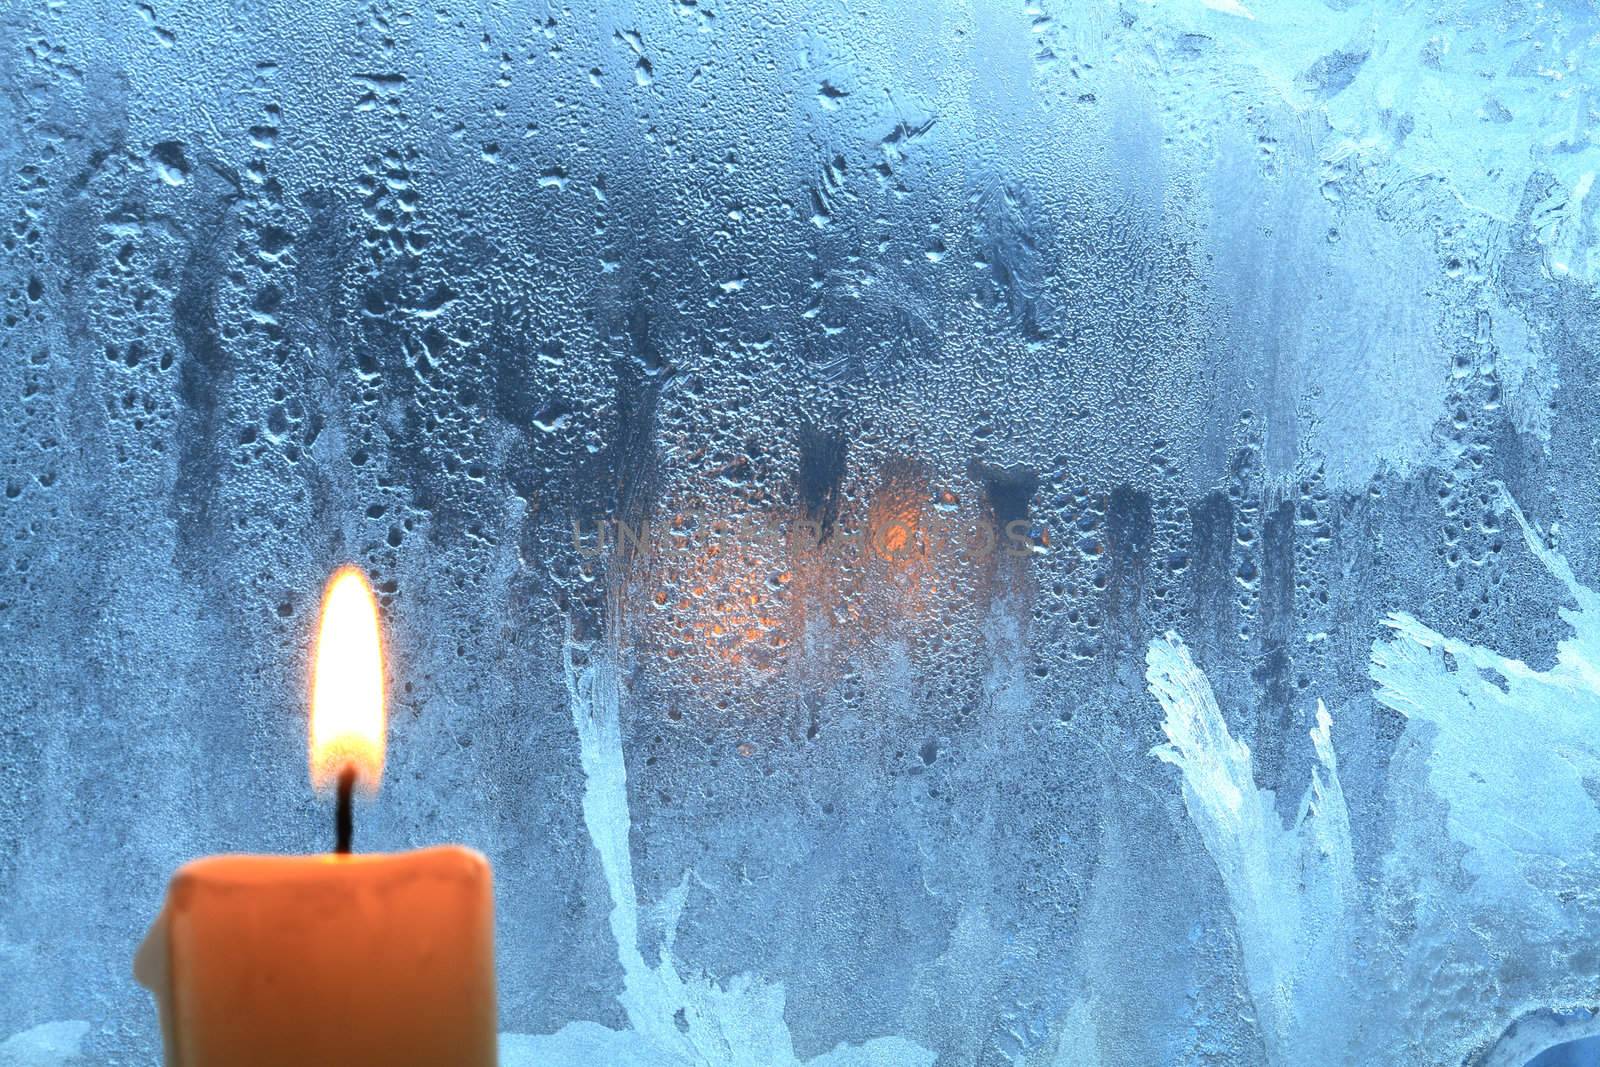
341 959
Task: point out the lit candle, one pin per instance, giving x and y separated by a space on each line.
303 961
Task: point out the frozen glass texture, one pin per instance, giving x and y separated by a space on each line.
1042 533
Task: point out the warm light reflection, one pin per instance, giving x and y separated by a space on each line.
348 723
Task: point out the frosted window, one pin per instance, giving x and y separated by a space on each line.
1027 533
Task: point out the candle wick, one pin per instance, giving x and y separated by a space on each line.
344 821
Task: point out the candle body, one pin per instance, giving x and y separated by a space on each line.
294 961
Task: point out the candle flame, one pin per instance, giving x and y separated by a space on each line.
348 724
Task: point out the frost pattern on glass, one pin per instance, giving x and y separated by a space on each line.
990 533
1290 890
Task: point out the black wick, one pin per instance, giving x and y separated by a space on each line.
344 819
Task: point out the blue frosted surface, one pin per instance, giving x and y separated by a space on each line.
1111 574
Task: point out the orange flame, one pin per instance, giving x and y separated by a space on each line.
348 724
